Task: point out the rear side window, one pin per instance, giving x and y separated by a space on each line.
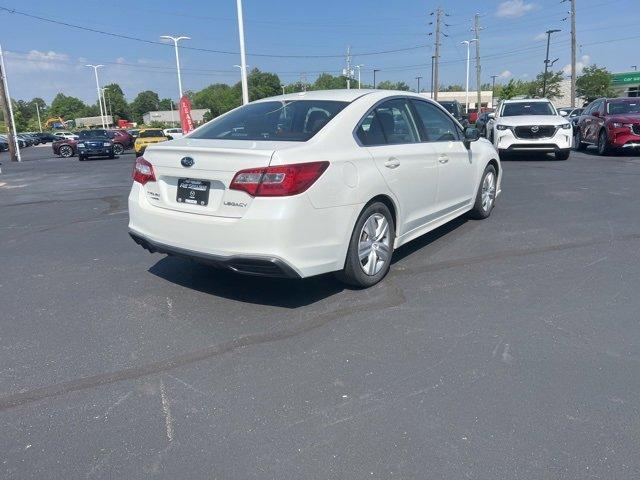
390 123
437 126
151 133
289 121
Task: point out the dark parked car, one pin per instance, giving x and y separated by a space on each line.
481 122
455 108
610 124
45 137
65 147
94 143
122 140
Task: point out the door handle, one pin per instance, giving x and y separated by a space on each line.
443 159
392 163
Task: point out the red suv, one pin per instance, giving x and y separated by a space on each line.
610 124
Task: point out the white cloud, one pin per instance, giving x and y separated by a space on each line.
514 8
525 75
540 37
580 64
37 61
506 74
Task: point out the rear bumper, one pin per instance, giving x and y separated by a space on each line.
288 233
248 265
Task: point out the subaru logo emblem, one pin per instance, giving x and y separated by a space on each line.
534 129
187 162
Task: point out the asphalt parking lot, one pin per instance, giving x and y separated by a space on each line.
499 349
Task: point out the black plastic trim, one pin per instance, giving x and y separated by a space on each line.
247 265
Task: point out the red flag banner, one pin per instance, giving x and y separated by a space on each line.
185 114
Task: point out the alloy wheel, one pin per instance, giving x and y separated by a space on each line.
374 245
66 151
488 191
118 149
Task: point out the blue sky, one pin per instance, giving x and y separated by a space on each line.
44 58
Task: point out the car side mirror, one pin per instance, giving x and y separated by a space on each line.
471 134
492 115
563 113
596 114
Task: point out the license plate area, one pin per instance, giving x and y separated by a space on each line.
193 192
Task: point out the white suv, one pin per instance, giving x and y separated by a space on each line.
532 125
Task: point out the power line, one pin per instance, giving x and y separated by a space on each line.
208 50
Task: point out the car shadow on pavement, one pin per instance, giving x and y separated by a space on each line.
277 292
530 157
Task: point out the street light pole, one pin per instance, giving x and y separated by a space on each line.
547 63
243 54
95 71
493 87
468 44
359 77
38 114
418 79
175 46
14 144
375 70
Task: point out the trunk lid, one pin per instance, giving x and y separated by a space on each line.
214 163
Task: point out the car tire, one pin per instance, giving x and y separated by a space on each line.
486 196
563 154
65 151
577 141
118 149
603 144
366 266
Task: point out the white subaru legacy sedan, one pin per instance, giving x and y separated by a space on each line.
310 183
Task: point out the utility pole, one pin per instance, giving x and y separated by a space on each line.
477 28
573 53
418 79
547 62
7 110
303 81
374 77
432 66
436 69
348 72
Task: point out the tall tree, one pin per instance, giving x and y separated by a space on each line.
116 102
326 81
388 85
262 84
66 107
218 98
146 101
595 82
554 81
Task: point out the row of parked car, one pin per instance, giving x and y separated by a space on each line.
110 143
28 139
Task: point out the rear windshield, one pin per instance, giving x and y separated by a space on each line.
291 121
527 108
617 108
451 107
92 134
151 133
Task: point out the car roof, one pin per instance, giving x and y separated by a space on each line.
528 100
338 95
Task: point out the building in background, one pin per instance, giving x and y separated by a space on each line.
93 122
486 97
627 84
172 116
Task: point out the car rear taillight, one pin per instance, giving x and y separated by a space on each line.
143 171
278 181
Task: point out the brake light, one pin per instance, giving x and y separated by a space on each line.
278 181
143 171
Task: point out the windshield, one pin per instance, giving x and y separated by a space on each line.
85 134
151 133
527 108
623 107
291 121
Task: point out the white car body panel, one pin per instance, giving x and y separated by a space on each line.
309 232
